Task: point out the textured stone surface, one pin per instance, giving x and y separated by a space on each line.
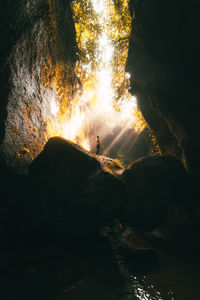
37 37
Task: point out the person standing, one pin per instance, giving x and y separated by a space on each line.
98 146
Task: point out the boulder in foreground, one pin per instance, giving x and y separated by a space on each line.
70 192
152 185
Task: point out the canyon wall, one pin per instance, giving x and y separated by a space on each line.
164 63
39 49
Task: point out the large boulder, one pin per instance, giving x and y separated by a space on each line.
69 192
152 185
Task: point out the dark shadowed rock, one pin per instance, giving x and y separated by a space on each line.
64 160
143 145
69 191
164 62
10 184
153 184
131 247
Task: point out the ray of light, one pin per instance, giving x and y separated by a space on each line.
93 111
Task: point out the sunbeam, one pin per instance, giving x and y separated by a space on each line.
53 95
98 110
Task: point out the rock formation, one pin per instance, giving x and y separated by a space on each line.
164 62
38 39
67 191
153 184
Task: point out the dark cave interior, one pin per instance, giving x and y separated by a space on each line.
78 225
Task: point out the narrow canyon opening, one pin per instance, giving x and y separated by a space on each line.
122 221
68 79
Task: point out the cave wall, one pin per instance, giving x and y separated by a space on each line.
39 43
164 61
8 37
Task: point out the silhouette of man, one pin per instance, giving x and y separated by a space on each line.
98 145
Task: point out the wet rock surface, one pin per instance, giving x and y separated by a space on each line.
131 246
57 270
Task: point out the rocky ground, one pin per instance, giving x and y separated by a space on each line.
97 270
81 226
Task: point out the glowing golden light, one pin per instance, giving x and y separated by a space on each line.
99 6
54 107
103 101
